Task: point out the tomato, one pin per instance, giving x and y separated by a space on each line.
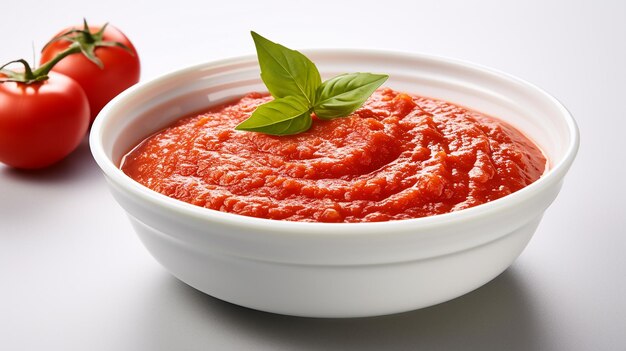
42 122
120 68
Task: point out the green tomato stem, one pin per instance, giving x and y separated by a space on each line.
87 35
82 41
30 76
44 69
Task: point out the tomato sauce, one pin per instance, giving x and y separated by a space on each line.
399 156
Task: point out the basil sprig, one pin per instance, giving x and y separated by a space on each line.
295 83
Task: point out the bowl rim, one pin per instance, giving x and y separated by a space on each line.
556 172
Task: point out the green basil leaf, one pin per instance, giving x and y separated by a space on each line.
285 116
286 72
344 94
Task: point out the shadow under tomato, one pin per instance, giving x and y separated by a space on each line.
497 316
41 194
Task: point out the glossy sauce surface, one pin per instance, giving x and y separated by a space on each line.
399 156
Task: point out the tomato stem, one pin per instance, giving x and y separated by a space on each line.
87 42
81 41
29 75
26 77
44 69
87 35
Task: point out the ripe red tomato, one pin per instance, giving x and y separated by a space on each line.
41 123
120 67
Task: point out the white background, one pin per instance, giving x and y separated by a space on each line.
73 276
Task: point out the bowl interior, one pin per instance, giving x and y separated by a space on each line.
151 106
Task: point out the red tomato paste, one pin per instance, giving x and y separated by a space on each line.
399 156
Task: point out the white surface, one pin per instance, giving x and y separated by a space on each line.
335 270
74 276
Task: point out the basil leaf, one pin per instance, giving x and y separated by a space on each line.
284 116
344 94
297 88
286 72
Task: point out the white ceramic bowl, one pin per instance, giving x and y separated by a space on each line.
335 270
